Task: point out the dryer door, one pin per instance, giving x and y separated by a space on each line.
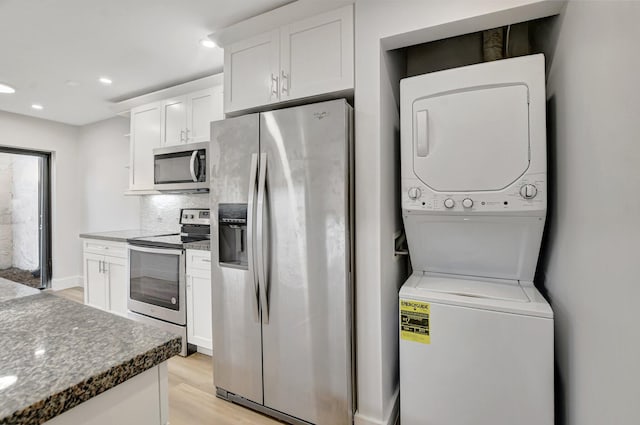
476 139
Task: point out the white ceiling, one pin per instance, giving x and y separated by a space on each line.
142 45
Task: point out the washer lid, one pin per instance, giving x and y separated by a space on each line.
489 289
485 294
474 139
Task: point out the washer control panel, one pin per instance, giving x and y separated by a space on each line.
526 194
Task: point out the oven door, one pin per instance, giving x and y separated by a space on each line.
157 283
181 168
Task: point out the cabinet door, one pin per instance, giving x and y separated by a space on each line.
174 121
199 308
203 107
251 72
317 55
145 137
117 282
95 286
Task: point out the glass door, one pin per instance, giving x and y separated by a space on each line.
25 223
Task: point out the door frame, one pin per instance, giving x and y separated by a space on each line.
44 209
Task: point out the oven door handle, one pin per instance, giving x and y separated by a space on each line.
166 251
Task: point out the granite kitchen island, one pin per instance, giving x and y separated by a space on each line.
66 363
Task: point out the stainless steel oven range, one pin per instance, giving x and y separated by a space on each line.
157 288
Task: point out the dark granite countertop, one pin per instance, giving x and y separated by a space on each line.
200 245
120 235
10 290
57 354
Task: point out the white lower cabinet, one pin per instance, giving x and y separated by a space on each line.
141 400
199 299
105 275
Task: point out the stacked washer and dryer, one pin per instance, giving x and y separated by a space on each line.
476 336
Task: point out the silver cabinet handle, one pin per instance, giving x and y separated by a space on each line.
285 82
100 266
186 135
262 241
274 85
251 258
192 166
182 136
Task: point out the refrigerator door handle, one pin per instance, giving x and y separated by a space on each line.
262 242
251 258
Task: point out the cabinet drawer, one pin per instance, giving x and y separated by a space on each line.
198 260
100 247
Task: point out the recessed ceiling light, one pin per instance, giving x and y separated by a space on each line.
106 81
6 89
208 43
37 106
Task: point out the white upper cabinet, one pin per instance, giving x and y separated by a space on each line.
306 58
144 138
186 119
251 69
174 121
316 55
203 107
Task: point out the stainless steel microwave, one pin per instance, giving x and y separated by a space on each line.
181 168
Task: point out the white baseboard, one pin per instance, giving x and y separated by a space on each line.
391 417
205 351
66 282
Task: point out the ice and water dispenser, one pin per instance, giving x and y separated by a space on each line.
232 240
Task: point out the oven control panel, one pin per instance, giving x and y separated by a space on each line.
195 216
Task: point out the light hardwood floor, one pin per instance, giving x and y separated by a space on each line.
192 399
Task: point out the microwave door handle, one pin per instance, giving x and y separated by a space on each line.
192 166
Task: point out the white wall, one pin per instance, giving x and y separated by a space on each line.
104 156
383 25
591 264
62 140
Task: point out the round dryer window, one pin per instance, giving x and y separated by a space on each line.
474 139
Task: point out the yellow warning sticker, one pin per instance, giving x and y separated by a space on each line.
414 321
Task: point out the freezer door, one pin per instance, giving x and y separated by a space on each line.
237 339
305 245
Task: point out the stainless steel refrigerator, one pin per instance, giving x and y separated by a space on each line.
281 202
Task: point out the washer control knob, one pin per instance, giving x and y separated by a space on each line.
414 193
449 203
467 202
528 191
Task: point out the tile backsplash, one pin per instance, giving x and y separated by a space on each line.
161 213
